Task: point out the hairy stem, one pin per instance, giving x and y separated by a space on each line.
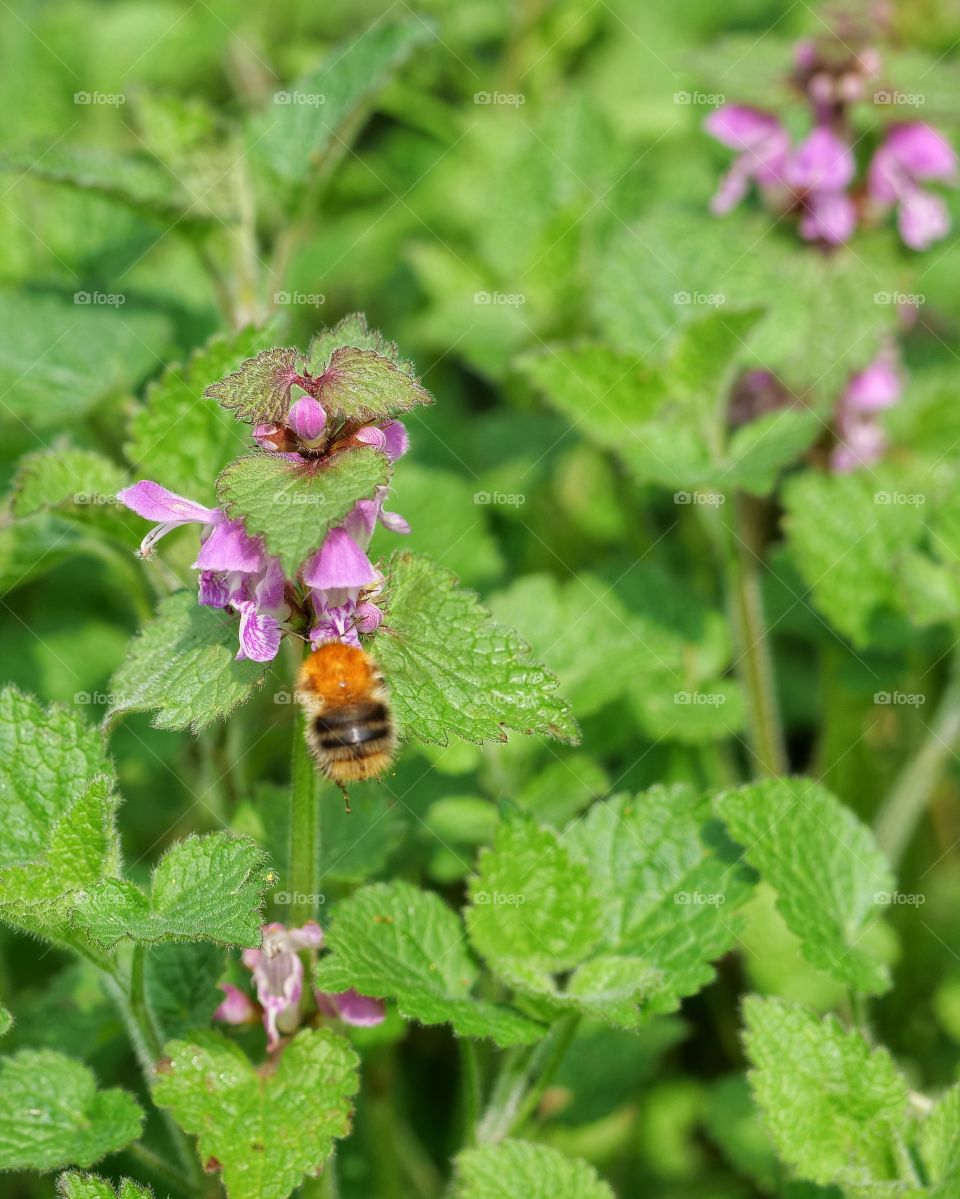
304 828
470 1089
754 660
900 813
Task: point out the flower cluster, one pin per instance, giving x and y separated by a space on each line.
816 180
278 976
333 593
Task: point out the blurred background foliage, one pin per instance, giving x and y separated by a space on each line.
575 201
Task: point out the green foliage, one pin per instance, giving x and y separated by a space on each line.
395 941
241 1115
835 1107
183 665
826 869
203 888
177 437
524 1170
259 389
292 505
88 1186
452 670
52 1115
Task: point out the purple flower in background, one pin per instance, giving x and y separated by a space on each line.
278 976
910 155
861 439
762 144
819 171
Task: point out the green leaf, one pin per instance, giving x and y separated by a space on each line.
524 1170
293 505
183 664
392 940
835 1107
52 1115
824 865
354 331
361 386
850 541
47 758
83 848
635 897
61 358
89 1186
64 478
204 888
135 180
259 389
940 1141
6 1021
181 984
452 669
311 124
241 1115
179 438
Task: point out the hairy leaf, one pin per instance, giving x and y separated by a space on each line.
264 1129
204 888
453 670
52 1115
259 389
361 385
178 437
293 505
524 1170
392 940
89 1186
835 1107
826 869
183 664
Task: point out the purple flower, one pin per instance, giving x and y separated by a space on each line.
912 154
861 440
168 509
278 976
819 171
307 418
762 143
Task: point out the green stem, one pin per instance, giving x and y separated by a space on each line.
525 1075
754 660
157 1165
470 1089
304 828
903 807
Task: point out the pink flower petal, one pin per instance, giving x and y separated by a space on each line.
829 217
741 128
237 1008
352 1008
397 441
154 502
308 418
230 547
372 436
339 563
214 589
922 219
823 162
876 387
259 634
922 151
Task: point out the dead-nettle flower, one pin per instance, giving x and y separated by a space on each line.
816 180
862 440
278 977
335 589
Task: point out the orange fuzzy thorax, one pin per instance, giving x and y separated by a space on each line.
338 674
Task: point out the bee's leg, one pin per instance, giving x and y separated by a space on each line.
346 800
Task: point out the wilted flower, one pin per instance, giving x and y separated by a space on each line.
278 976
